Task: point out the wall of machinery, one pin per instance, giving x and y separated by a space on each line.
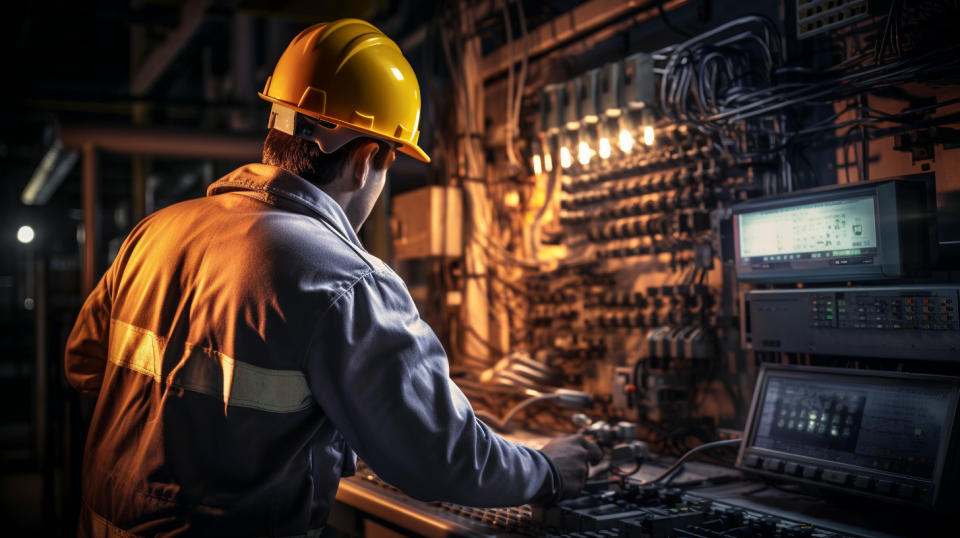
599 173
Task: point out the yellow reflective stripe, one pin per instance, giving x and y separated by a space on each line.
134 348
210 372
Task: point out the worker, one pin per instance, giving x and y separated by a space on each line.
244 347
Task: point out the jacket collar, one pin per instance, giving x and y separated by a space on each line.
284 189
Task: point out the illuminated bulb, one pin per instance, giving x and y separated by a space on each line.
625 141
566 159
548 162
604 148
25 234
584 153
537 165
648 136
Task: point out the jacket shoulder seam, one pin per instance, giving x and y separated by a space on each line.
347 289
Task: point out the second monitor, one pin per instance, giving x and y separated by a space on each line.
866 231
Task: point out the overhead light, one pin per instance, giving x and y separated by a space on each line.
603 148
625 141
548 162
648 135
54 167
25 234
566 158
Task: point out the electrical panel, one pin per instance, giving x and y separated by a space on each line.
654 225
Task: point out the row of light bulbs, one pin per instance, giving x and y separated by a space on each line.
542 161
596 113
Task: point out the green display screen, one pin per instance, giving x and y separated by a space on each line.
837 228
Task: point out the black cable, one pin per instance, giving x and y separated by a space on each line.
668 23
882 38
663 477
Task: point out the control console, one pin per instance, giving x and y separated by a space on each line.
905 322
884 435
631 510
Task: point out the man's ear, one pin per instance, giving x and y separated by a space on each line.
362 163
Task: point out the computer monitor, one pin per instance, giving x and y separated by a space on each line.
868 231
879 434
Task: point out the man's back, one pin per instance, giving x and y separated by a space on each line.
246 336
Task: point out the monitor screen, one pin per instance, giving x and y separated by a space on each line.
871 423
844 229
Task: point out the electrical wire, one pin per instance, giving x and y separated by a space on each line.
501 424
509 125
665 476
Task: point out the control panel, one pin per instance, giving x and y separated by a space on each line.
628 511
905 322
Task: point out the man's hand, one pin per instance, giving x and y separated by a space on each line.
570 455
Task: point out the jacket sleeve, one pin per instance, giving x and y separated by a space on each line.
381 376
85 357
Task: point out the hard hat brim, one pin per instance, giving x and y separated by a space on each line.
403 146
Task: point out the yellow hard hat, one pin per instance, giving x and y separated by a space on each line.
349 74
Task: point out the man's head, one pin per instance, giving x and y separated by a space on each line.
353 175
343 86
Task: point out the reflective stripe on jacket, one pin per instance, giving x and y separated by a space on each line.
241 344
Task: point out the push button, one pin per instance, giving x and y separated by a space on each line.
792 468
811 473
835 477
773 465
906 491
885 487
862 482
752 461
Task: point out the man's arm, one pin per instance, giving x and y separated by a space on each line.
381 376
86 352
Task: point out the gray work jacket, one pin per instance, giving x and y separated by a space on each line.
238 348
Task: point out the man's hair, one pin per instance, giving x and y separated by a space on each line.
304 158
